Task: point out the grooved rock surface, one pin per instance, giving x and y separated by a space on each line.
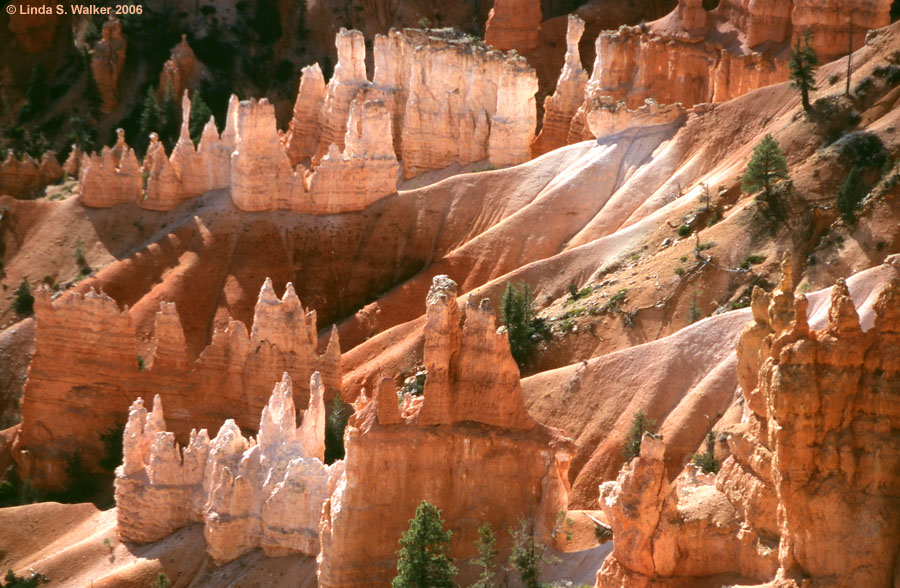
514 24
21 177
85 367
469 448
815 455
251 493
107 61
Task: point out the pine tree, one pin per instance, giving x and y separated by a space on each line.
527 555
151 117
200 114
171 118
423 560
519 315
853 189
23 303
640 424
486 544
767 164
803 64
334 430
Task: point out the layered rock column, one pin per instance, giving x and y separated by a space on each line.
568 96
266 493
471 449
107 61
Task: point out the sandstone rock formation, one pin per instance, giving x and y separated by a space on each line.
21 177
106 180
687 58
514 24
425 104
814 457
34 31
181 71
248 493
107 61
468 447
86 362
568 96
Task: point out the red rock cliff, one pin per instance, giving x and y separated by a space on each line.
470 448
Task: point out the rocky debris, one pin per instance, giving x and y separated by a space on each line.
567 97
606 118
33 31
22 177
247 493
86 362
468 446
514 24
107 61
814 456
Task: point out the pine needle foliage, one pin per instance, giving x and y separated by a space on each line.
486 544
640 424
803 65
423 560
200 114
522 324
766 166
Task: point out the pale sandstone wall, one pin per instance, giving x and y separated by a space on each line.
264 493
85 369
469 447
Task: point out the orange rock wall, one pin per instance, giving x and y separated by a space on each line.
490 465
514 24
107 61
85 370
34 32
815 455
21 177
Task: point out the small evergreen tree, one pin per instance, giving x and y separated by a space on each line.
707 461
527 555
486 544
151 117
639 425
767 164
23 303
334 430
171 117
523 326
162 581
850 194
802 65
200 114
423 560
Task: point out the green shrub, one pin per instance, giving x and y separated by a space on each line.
766 166
13 581
694 312
640 424
752 260
684 231
707 461
852 191
863 149
162 581
23 303
679 271
423 560
527 555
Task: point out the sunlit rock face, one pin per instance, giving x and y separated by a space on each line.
814 456
85 371
469 447
514 24
247 493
